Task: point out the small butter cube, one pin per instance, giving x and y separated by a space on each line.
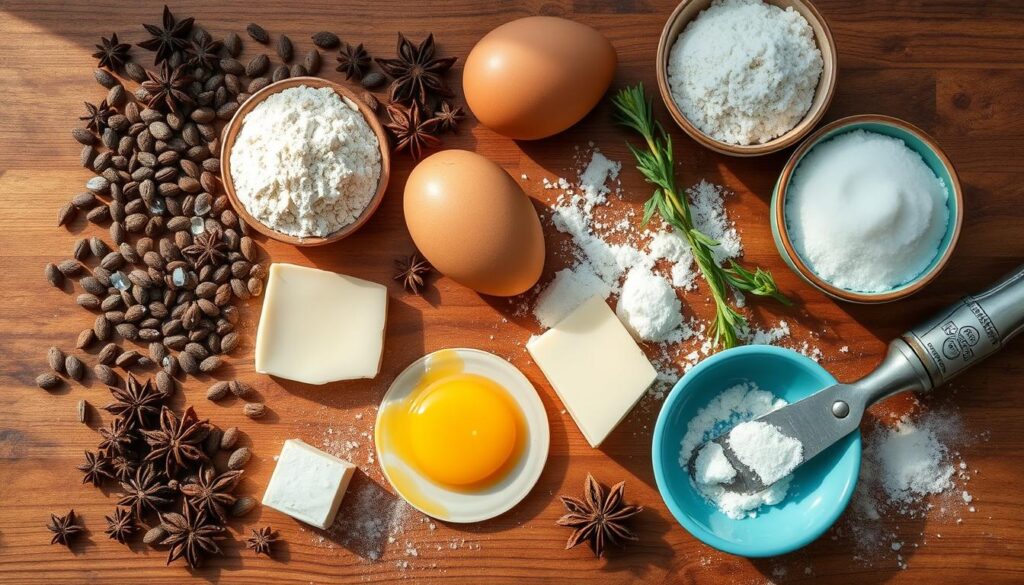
308 484
596 368
319 327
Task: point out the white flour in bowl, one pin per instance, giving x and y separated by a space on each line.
745 72
306 162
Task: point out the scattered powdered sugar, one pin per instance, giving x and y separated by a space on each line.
306 162
737 404
745 71
765 450
913 462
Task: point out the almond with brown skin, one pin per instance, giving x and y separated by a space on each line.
74 367
229 438
154 536
239 458
105 374
218 390
53 275
85 339
56 359
243 506
210 364
164 383
47 381
254 409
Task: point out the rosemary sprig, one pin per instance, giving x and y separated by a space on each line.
657 164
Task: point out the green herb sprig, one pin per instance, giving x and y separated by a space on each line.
657 165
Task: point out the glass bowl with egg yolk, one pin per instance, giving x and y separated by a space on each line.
460 430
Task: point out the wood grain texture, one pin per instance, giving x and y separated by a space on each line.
954 68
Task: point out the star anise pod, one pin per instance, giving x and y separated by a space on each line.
136 403
353 61
96 117
121 525
211 492
168 39
178 443
410 130
168 88
64 528
96 467
116 438
203 51
124 467
112 53
145 492
190 535
417 74
598 518
262 540
209 248
449 116
410 272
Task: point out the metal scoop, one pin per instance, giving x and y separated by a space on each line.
927 356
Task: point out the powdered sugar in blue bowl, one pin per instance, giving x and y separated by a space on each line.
817 492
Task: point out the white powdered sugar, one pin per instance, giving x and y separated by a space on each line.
738 404
649 307
765 450
306 162
744 71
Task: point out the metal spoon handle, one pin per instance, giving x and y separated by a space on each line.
970 330
938 349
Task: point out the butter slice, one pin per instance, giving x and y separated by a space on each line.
308 484
595 366
319 327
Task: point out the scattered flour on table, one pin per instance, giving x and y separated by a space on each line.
306 162
745 71
738 404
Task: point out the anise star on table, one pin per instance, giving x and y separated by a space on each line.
598 518
203 51
136 403
116 438
211 492
417 74
167 88
353 61
96 117
171 37
410 130
124 467
190 535
121 525
261 542
449 116
208 248
64 528
112 53
410 272
96 468
178 442
145 492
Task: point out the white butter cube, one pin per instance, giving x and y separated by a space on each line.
308 484
596 368
319 327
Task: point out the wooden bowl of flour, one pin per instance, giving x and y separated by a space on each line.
234 126
687 11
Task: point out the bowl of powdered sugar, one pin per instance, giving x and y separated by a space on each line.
746 77
727 391
304 161
868 209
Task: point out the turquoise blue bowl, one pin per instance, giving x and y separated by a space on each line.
918 141
820 489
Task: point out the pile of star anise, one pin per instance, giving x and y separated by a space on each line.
164 465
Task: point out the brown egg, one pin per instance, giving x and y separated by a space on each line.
537 76
474 224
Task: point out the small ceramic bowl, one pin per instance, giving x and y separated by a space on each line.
685 12
820 489
916 140
230 134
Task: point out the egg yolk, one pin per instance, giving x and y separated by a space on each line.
462 429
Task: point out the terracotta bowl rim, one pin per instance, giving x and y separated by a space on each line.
230 133
791 136
779 211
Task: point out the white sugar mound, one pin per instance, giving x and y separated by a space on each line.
737 404
648 306
765 450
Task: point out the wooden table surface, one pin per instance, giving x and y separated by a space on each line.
955 69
